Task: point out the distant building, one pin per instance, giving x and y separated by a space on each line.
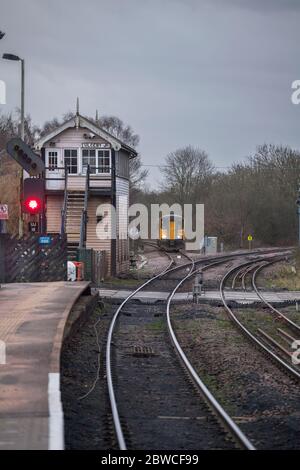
68 153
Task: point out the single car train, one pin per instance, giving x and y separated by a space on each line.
171 232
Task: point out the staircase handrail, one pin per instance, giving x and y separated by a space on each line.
64 207
84 218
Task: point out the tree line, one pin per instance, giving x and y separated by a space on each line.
257 196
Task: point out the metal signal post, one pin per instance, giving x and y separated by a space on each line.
33 204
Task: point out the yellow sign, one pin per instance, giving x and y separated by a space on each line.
250 238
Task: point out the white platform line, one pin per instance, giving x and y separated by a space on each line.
56 416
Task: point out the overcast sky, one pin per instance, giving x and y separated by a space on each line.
212 73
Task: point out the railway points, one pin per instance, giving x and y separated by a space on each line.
251 335
119 391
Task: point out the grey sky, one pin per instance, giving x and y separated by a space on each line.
212 73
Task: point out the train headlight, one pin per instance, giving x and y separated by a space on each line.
164 237
180 234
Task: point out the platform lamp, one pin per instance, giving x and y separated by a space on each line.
18 59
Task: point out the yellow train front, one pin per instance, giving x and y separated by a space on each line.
171 232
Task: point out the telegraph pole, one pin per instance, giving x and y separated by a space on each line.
22 99
22 133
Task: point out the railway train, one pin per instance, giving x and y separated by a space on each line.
171 232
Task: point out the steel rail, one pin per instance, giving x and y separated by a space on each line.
287 337
274 342
167 270
229 256
237 274
292 324
111 392
257 252
245 273
241 274
210 399
247 333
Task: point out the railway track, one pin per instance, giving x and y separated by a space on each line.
263 342
215 406
158 401
273 309
266 400
150 399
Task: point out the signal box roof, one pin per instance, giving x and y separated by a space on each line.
81 121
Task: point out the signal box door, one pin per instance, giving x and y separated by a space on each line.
54 169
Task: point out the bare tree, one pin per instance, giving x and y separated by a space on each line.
276 176
229 205
186 174
257 197
137 176
54 123
10 127
116 127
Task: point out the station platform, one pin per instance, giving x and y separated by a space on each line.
32 321
238 296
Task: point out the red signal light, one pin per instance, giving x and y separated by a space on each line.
33 205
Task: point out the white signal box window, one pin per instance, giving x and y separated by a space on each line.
104 161
52 160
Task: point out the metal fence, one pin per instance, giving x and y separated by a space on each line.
95 264
99 266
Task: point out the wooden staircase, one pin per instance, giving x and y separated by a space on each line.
75 206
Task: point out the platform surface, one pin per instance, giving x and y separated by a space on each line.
32 318
239 296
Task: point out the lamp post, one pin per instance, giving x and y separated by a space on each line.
22 130
17 58
2 34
